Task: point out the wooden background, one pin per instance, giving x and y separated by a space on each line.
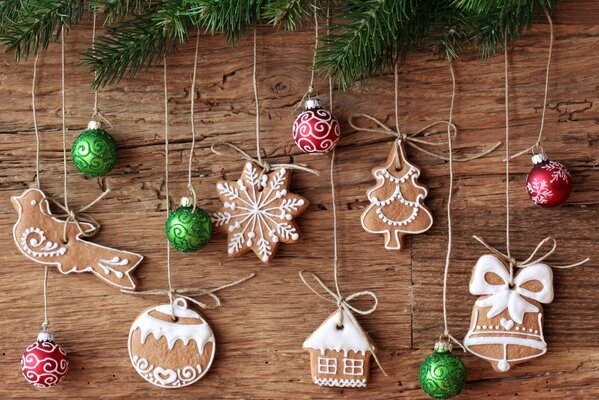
262 324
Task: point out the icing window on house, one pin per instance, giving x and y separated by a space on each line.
327 365
353 367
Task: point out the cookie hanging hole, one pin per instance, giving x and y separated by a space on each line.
339 327
511 285
175 318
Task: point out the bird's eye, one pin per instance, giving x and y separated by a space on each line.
33 202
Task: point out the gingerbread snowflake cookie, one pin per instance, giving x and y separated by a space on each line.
171 351
397 201
507 321
258 212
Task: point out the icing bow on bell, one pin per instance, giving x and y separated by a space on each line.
502 296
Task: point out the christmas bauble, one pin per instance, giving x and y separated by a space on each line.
548 183
171 346
188 230
442 375
94 152
44 363
315 130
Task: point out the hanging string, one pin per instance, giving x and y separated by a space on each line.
412 139
97 114
537 144
507 256
449 198
64 121
192 93
35 128
185 293
37 181
257 104
310 91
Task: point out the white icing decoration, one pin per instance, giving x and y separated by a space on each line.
200 333
507 339
339 382
506 324
501 296
253 211
149 325
329 337
394 228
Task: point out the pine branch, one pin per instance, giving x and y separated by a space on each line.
230 17
36 24
290 14
119 10
139 43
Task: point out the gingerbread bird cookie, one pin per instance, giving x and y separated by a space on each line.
39 236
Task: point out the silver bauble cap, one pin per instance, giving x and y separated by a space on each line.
539 158
93 125
311 104
45 337
186 202
443 346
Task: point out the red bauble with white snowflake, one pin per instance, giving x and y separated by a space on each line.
548 183
315 130
44 363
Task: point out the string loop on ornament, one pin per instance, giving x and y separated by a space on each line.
77 217
239 153
533 258
189 293
414 141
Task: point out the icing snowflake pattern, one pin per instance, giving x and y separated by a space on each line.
558 172
539 191
258 212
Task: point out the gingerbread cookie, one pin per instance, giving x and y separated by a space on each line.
340 356
171 353
39 236
258 212
397 201
507 322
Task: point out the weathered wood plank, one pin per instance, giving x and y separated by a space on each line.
262 324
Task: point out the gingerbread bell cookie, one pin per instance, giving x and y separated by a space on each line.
40 237
171 346
258 212
507 321
397 201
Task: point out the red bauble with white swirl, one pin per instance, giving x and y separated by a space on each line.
315 130
548 183
44 363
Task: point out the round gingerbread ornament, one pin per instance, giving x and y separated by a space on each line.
171 346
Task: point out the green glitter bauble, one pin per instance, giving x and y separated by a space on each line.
94 152
188 230
442 375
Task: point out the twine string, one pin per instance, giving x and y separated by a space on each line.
537 144
257 103
449 198
46 321
189 293
234 151
310 90
192 93
35 127
64 120
413 139
507 154
534 258
97 114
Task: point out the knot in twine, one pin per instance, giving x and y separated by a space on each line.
98 116
78 217
189 293
265 165
414 141
343 304
532 259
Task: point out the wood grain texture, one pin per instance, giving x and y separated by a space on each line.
262 324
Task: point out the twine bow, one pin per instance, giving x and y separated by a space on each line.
414 141
189 293
265 165
78 217
343 304
532 259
